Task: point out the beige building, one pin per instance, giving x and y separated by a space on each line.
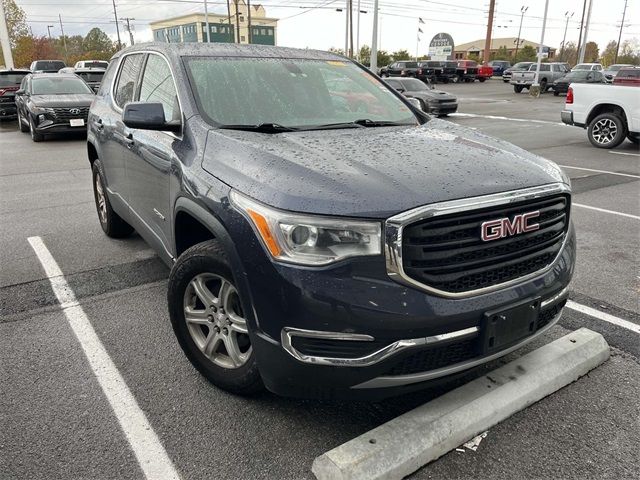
249 24
477 47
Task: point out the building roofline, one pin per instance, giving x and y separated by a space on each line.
159 23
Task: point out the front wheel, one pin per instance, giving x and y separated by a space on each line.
543 85
35 136
482 79
556 93
208 319
606 131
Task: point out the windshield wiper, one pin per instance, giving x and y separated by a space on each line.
360 123
262 128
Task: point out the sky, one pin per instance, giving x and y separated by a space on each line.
317 24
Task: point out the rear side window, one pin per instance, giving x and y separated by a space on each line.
157 86
129 70
629 73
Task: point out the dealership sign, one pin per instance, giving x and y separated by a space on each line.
441 47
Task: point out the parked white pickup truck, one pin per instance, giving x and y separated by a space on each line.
608 112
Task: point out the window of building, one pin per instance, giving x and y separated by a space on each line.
127 79
241 18
263 31
214 29
270 32
242 38
157 86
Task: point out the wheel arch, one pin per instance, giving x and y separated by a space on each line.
92 153
607 108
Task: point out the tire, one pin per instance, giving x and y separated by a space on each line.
556 93
112 224
445 80
543 85
35 136
21 125
634 138
481 79
606 131
505 81
206 266
517 88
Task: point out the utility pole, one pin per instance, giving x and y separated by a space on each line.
128 19
115 15
620 34
487 40
49 27
523 10
4 39
350 28
346 28
249 32
584 9
237 22
206 21
535 90
564 38
229 20
358 33
373 59
586 33
64 40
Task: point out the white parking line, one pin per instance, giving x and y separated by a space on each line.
624 153
592 312
604 210
496 117
600 171
146 446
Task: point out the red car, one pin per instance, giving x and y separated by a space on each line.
484 72
628 76
469 70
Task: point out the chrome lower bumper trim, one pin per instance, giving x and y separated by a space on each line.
396 381
368 360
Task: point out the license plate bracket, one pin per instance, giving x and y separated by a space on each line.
505 327
76 122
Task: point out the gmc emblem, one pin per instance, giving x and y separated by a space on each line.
503 227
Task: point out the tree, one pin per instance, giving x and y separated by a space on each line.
364 55
337 51
16 21
609 53
569 53
591 52
629 52
401 55
98 41
501 54
29 48
383 58
527 54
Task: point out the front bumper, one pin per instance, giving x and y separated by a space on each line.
59 127
389 330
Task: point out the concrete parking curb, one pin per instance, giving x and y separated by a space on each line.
406 443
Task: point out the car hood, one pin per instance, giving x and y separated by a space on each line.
76 100
430 95
371 172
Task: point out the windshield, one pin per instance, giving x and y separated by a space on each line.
413 84
579 75
290 92
11 79
91 76
615 68
521 65
59 86
582 66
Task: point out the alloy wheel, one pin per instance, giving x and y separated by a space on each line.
604 131
215 320
101 200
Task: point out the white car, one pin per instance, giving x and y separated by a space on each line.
608 112
597 67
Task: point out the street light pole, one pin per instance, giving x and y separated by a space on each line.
358 33
487 41
620 34
523 10
373 60
206 20
586 32
564 38
535 88
49 27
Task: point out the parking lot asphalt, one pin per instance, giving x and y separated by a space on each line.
56 423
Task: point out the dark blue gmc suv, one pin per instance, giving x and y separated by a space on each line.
325 237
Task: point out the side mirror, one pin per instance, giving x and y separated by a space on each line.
415 103
400 89
148 116
19 92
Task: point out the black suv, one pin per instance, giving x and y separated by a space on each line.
321 242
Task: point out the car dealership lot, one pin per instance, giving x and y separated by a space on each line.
56 423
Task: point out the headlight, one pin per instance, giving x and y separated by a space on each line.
41 110
309 239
